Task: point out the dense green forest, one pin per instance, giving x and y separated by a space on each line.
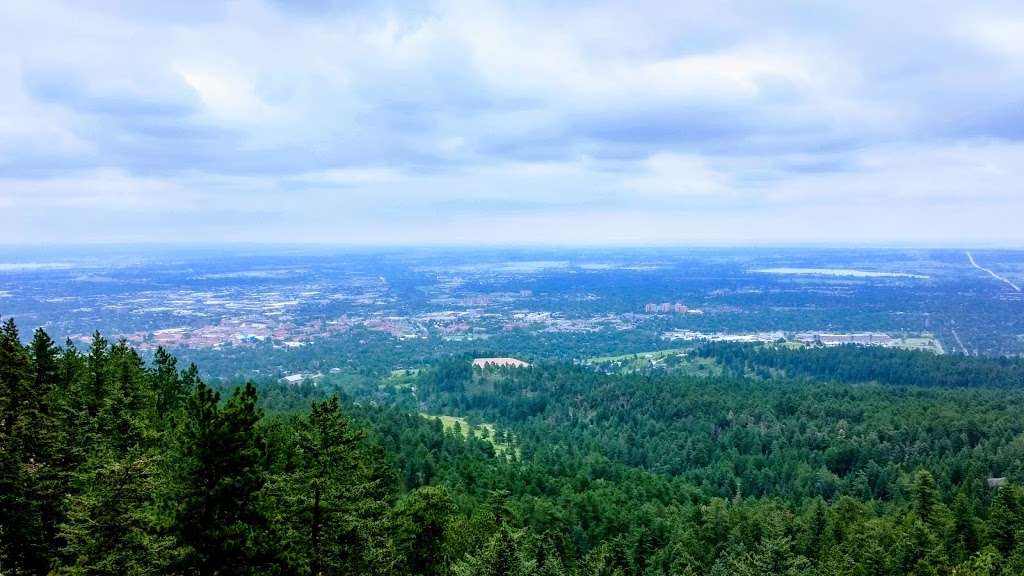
844 462
854 364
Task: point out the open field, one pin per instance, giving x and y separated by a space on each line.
927 343
483 431
675 359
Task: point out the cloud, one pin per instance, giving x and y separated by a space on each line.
435 121
1001 35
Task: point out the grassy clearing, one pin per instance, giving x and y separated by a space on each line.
483 431
674 359
927 342
403 372
654 354
402 378
696 366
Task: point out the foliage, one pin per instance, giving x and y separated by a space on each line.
110 466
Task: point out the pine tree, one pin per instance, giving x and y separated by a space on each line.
73 427
1015 563
220 456
504 555
987 562
15 377
423 518
814 530
921 551
22 534
1004 519
965 528
125 418
547 561
51 473
329 496
844 516
774 552
112 525
189 382
96 385
927 501
45 361
168 384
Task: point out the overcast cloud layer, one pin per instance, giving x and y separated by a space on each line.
480 122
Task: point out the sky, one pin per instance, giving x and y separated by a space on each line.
479 123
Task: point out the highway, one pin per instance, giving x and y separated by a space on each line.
991 273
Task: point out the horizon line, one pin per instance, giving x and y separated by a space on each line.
879 245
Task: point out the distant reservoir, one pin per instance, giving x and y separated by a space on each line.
838 272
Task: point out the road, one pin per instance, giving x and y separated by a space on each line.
991 273
960 342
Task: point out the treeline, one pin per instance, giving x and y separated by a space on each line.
367 353
869 461
112 466
857 364
109 466
791 439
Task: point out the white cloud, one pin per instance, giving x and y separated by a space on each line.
678 175
103 188
227 98
350 176
963 173
1000 34
656 122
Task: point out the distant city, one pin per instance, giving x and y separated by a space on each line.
519 299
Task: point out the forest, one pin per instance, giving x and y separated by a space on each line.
855 364
849 461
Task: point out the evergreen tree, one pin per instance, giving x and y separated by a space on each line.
126 415
987 562
329 496
219 464
168 384
927 501
1015 563
95 388
51 473
113 525
814 529
547 561
965 528
1005 519
45 361
21 529
774 552
505 554
424 516
921 551
73 421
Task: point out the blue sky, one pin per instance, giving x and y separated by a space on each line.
512 123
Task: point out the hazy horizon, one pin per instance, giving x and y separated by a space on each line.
499 246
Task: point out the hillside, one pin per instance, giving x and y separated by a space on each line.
113 466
